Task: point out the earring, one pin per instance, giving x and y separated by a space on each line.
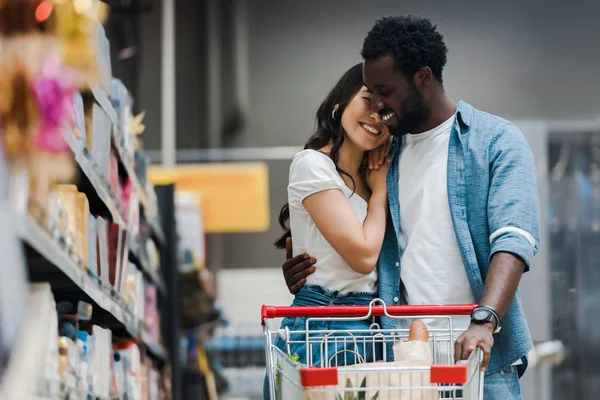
333 114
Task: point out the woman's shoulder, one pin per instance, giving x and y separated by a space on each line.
312 165
312 158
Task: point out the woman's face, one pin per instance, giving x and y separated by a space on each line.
363 126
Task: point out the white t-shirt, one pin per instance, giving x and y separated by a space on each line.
432 267
312 172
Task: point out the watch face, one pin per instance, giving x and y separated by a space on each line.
481 315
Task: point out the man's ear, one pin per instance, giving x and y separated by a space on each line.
423 77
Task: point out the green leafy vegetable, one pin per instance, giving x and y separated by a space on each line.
361 395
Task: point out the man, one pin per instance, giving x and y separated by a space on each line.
464 207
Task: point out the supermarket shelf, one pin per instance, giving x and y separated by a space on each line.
98 182
128 164
135 255
157 230
153 347
41 241
59 256
104 100
150 209
52 389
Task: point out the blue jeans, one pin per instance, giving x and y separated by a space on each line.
313 295
503 385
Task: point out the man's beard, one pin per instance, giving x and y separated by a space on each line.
414 114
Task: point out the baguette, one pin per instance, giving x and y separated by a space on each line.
418 332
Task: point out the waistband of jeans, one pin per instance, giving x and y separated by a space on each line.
336 294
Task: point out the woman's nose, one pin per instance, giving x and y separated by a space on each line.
376 117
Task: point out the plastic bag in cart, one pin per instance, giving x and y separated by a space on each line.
381 385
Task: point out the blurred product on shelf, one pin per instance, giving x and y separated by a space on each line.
190 225
75 358
12 285
89 238
238 354
238 346
84 44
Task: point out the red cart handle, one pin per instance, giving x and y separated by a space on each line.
269 312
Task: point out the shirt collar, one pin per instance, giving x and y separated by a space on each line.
464 112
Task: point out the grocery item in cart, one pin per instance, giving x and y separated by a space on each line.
417 347
414 352
412 375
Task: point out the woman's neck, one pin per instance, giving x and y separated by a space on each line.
349 157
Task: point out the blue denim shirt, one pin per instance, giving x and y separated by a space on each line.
494 204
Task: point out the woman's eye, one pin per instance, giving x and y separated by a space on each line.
367 99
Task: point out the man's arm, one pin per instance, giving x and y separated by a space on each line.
502 281
513 219
296 269
499 291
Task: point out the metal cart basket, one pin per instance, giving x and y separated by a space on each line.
345 364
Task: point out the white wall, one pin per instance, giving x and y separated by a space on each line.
513 58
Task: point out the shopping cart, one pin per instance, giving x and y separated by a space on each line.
336 365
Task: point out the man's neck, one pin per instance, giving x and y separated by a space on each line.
441 109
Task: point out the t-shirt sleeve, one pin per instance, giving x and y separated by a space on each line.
310 174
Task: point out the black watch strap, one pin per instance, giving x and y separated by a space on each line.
485 314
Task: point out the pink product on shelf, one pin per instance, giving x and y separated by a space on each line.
140 294
151 312
53 88
126 190
133 211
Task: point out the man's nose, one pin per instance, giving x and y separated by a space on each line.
376 103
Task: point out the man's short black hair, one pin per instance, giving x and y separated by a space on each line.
412 41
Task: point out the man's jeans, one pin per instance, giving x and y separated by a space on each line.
503 385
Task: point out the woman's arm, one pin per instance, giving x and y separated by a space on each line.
358 245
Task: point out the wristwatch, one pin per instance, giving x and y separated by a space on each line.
485 314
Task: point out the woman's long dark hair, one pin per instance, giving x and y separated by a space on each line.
329 131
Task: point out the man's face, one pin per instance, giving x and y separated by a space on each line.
393 93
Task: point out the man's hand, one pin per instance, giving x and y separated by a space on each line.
296 269
476 336
378 156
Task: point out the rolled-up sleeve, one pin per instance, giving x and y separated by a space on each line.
513 202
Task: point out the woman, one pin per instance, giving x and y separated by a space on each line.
336 212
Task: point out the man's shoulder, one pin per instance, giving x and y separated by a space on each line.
485 127
483 121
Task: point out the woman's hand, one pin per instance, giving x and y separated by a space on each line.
376 178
